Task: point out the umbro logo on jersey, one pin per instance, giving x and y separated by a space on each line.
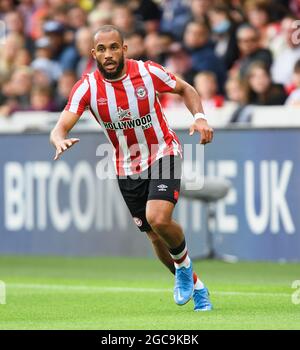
162 187
141 92
102 101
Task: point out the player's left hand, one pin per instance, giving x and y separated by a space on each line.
204 129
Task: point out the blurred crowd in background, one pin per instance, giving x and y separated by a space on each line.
241 51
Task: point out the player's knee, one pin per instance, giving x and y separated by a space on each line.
158 222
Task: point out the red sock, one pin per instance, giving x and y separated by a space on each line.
195 277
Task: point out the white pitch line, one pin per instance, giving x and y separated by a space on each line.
95 289
84 288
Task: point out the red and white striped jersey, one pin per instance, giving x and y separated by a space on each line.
129 111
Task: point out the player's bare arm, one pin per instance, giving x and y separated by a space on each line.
58 136
193 102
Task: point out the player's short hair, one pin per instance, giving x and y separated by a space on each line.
109 28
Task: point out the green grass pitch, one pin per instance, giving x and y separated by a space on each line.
135 293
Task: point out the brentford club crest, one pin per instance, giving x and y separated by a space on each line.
141 92
138 221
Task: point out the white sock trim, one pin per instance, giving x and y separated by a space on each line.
180 255
185 263
199 284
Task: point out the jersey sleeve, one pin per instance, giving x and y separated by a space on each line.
163 81
79 98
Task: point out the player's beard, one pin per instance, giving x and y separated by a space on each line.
113 75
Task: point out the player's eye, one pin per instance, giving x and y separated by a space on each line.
101 49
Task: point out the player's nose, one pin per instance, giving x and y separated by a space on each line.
108 54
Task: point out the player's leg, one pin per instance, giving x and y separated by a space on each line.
200 295
159 216
161 250
164 189
135 194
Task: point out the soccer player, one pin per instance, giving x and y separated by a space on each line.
122 96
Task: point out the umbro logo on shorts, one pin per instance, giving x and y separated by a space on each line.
162 187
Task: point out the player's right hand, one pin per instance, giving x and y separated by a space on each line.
63 146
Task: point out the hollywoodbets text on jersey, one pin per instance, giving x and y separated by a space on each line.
145 122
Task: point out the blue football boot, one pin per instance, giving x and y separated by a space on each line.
201 300
184 285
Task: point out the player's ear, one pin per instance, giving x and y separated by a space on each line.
93 52
125 48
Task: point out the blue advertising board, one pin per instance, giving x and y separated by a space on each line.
259 219
66 208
